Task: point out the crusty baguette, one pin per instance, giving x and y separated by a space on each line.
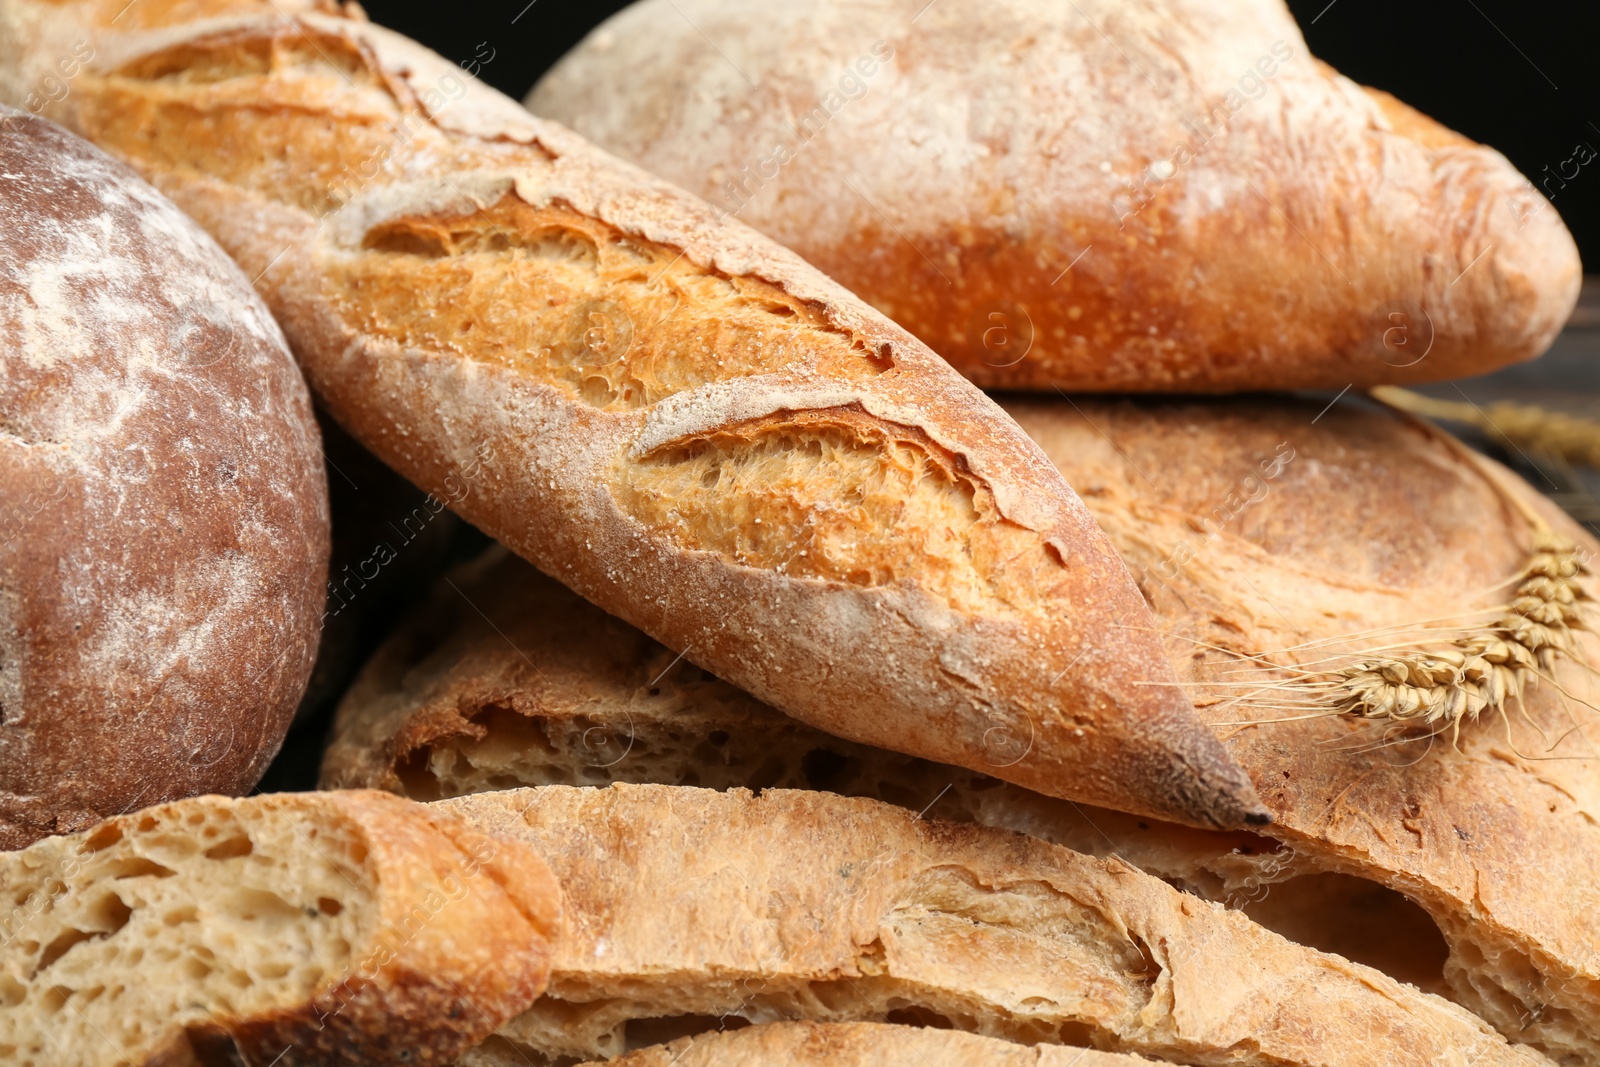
851 1045
672 415
292 929
794 904
163 509
1373 523
1127 195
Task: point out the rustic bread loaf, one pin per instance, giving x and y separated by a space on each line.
689 903
292 929
852 1045
163 510
1159 195
670 414
1364 522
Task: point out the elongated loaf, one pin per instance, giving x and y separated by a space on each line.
292 929
858 1045
689 902
673 416
1253 531
163 510
1157 195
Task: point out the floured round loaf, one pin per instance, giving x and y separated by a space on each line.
163 508
1109 195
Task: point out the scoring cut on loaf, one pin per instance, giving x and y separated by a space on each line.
295 929
672 415
689 906
163 507
1111 195
1363 527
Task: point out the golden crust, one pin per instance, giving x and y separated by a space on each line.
1371 522
1144 196
378 197
797 904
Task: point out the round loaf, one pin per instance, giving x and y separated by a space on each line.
163 507
1112 195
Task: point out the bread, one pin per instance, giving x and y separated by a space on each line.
292 929
673 416
694 903
1160 195
1371 522
163 511
857 1045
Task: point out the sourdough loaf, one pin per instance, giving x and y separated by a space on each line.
163 511
670 414
293 929
1159 195
855 1045
1363 527
791 904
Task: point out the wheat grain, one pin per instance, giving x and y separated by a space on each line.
1480 672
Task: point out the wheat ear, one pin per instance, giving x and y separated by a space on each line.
1478 672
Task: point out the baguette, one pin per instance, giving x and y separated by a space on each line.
1373 525
1118 195
853 1045
676 418
690 902
292 929
163 508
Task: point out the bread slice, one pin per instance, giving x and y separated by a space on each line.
289 929
840 1045
1470 870
669 413
690 905
1109 195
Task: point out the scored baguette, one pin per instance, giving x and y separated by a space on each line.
848 1045
680 420
290 929
691 903
1373 523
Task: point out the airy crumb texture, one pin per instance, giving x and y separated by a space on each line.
678 419
1104 195
688 906
291 929
833 1045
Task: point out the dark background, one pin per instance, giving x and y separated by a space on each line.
1521 76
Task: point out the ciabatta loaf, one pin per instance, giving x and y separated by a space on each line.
856 1045
1360 527
802 905
163 510
1125 195
672 415
323 929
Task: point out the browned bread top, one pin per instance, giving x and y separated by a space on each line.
793 904
294 929
1359 527
672 415
164 530
1272 538
1155 195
